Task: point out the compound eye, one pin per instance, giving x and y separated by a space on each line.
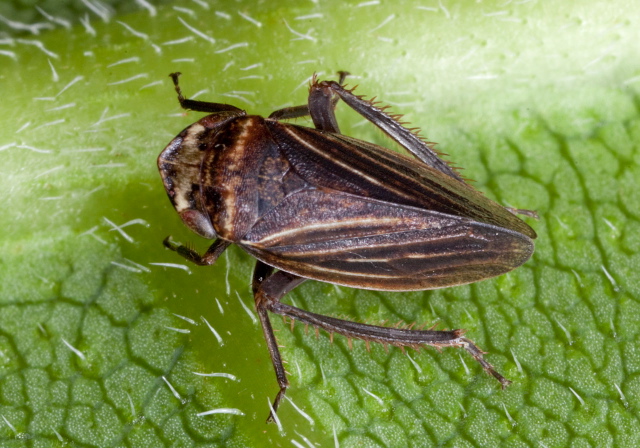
199 223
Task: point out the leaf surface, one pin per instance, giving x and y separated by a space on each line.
99 344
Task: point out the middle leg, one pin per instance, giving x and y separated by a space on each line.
320 107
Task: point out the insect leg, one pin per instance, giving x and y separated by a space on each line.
201 106
269 287
273 287
399 337
287 113
309 109
209 257
388 124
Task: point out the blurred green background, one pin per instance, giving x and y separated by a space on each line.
100 347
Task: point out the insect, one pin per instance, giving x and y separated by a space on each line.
316 204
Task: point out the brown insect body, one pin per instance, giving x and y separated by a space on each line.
315 204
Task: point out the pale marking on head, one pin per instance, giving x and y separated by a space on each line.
181 202
193 134
183 182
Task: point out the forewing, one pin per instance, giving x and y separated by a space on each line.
370 244
348 165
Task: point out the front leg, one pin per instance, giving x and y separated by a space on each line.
203 106
209 257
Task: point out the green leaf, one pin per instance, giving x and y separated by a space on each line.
99 344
